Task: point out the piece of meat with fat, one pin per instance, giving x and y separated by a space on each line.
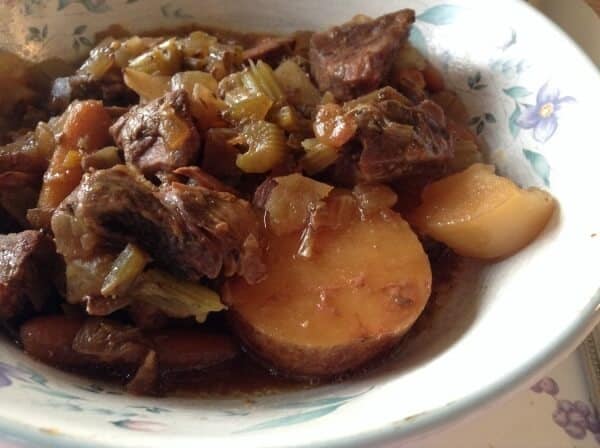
159 136
28 263
356 57
399 138
111 90
188 230
229 226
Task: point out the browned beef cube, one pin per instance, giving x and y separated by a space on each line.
399 138
28 262
354 58
159 136
188 229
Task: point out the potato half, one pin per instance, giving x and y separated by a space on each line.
480 214
354 298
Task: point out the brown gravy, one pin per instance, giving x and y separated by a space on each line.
244 377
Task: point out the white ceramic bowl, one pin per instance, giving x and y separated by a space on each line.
503 324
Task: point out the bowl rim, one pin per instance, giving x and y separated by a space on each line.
423 423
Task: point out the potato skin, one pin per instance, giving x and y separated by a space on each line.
329 314
303 362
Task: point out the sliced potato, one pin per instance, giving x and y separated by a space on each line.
480 214
353 299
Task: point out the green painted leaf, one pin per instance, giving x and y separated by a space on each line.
320 402
480 126
85 41
496 65
511 42
80 29
473 121
151 409
53 393
293 419
96 6
539 164
34 34
417 39
480 86
470 81
516 92
440 14
512 121
62 4
490 118
76 45
45 32
181 14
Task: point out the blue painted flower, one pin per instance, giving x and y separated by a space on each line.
9 373
542 117
4 379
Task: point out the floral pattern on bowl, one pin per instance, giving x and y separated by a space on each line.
514 97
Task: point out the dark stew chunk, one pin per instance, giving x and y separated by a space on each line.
159 136
356 57
187 229
399 138
27 264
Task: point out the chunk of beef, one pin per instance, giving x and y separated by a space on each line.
224 226
270 49
160 136
113 344
28 263
354 58
110 341
18 193
29 153
8 223
197 176
262 193
188 229
219 156
81 86
399 138
146 316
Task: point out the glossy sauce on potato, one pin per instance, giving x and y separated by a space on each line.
357 295
243 376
